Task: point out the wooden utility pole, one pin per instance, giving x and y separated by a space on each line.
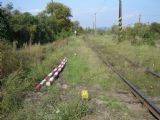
139 18
95 27
120 20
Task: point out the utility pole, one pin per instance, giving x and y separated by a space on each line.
52 8
140 18
93 27
120 20
95 23
52 15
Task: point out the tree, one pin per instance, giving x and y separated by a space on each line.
48 25
77 27
58 10
4 21
16 12
32 29
44 28
155 27
60 15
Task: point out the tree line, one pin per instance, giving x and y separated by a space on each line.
47 26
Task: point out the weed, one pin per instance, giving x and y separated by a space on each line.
113 104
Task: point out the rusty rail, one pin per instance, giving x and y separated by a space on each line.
138 94
135 64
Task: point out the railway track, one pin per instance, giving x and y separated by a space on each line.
146 70
152 108
149 71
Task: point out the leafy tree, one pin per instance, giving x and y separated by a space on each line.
45 27
32 29
155 27
60 14
4 21
77 27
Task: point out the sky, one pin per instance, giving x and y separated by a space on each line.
106 10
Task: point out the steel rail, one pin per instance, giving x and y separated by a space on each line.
147 70
143 99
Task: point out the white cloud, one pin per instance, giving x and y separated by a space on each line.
33 11
129 16
107 9
84 12
104 9
92 11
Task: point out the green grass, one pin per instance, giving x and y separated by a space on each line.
84 67
50 106
84 70
113 104
145 55
19 84
73 111
33 65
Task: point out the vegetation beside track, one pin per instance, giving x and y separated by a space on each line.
23 69
115 52
62 100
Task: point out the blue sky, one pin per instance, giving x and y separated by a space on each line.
107 10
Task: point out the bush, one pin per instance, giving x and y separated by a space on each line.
140 34
63 34
11 60
17 66
24 68
13 91
155 27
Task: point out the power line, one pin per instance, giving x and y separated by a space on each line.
98 10
95 17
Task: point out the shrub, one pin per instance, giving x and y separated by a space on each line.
140 34
72 111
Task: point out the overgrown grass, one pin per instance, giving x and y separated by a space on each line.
20 84
51 106
32 65
113 104
83 70
73 111
145 55
84 67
